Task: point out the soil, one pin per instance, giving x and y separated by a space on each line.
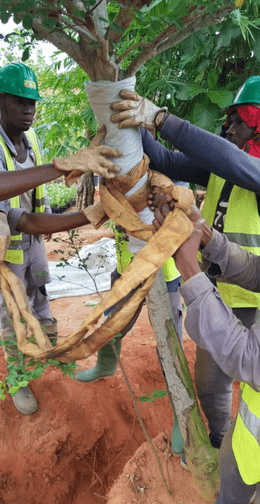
85 444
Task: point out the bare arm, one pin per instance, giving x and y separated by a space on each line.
15 182
35 224
92 158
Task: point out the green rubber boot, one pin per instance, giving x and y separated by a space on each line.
105 366
177 441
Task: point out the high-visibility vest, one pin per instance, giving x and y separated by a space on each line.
124 258
241 226
14 253
246 436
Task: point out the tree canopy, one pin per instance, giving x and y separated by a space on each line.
121 35
191 56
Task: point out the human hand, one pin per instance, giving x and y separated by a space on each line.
134 110
157 199
186 255
89 158
5 236
47 237
165 203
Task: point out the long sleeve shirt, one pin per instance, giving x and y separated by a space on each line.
5 205
211 323
200 154
35 259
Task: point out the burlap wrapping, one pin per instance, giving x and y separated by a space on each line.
18 307
138 276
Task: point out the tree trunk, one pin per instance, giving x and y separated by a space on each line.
85 191
201 457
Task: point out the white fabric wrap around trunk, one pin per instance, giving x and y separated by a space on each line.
101 94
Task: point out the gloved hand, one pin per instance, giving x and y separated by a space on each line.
5 236
135 111
89 158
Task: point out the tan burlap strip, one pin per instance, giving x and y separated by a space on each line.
18 306
139 275
79 345
97 214
141 271
126 182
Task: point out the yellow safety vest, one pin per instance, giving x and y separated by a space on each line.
241 226
14 253
246 436
124 258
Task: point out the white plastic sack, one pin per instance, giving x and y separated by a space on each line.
69 281
101 94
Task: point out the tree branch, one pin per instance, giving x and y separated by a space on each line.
131 48
123 19
100 12
194 26
171 36
64 43
79 29
135 4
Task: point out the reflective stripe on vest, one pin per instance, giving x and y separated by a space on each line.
170 271
246 436
39 193
242 226
14 253
124 258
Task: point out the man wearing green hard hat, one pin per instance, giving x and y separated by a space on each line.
19 80
24 218
229 167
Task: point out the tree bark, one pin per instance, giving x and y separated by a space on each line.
201 457
85 191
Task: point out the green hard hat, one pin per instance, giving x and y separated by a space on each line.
19 80
248 93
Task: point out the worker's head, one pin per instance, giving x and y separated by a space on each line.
242 126
18 95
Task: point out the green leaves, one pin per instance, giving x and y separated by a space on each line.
244 24
156 394
27 21
21 372
222 97
204 113
256 46
60 195
189 90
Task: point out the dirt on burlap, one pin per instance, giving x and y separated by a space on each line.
74 449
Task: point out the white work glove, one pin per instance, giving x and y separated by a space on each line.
89 158
5 236
135 111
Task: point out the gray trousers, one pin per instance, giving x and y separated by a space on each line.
233 490
214 387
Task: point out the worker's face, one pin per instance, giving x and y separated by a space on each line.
238 133
16 112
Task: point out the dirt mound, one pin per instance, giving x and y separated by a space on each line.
140 482
74 447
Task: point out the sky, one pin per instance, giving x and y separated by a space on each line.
47 48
